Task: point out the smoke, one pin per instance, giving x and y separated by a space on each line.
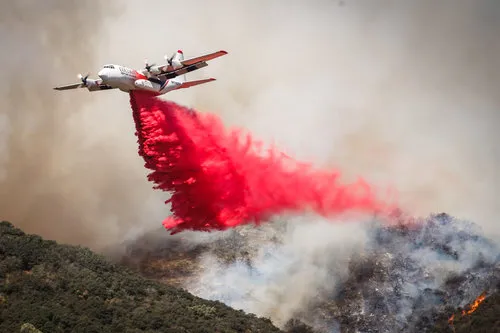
62 166
402 93
359 278
284 276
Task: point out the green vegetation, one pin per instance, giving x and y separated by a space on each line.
48 287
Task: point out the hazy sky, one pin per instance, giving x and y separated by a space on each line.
404 94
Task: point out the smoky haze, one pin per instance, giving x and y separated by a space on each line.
404 94
62 171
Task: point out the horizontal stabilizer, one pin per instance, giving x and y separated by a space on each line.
188 84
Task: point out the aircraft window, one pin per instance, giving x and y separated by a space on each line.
109 66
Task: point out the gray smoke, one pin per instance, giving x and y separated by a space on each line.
366 279
69 166
402 93
283 275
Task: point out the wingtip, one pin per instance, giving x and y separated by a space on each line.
223 51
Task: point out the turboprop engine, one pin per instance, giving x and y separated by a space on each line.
173 62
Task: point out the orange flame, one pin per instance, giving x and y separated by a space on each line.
472 307
475 304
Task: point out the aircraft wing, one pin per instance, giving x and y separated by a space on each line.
92 85
183 70
190 65
70 86
203 58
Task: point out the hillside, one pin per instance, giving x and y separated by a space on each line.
486 319
399 284
62 288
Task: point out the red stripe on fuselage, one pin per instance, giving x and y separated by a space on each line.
139 76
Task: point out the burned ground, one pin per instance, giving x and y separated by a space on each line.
403 282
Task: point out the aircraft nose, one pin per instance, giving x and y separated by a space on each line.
102 74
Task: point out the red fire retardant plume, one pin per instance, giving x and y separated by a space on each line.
221 179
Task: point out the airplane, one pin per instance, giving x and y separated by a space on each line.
157 80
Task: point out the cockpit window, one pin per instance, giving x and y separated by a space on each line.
109 66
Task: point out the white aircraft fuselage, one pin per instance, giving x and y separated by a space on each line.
127 79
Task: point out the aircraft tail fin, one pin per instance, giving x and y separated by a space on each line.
177 59
178 56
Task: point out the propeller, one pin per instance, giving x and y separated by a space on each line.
169 60
83 78
148 66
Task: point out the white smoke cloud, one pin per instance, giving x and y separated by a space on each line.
401 93
283 276
69 168
364 271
